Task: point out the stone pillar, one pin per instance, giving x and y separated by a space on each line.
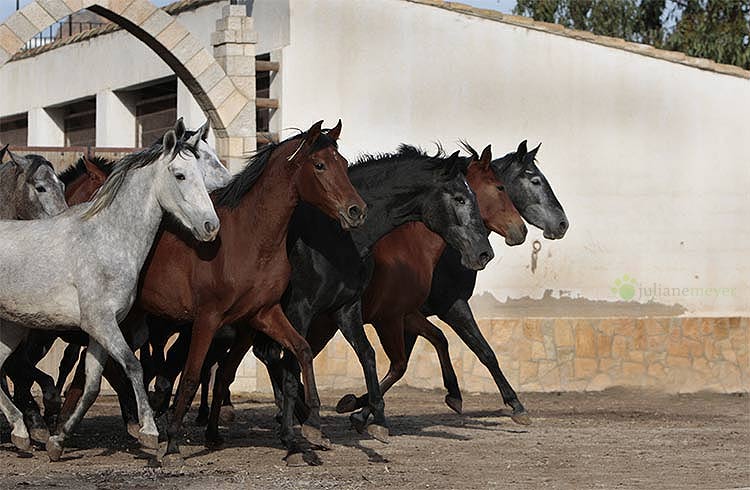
46 127
115 121
190 111
234 50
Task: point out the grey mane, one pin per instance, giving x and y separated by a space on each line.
108 191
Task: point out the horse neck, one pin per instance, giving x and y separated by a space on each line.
266 209
133 217
385 211
7 193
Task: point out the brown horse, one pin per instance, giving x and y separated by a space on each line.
86 176
404 261
241 277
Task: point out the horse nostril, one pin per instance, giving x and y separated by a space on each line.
484 257
210 227
354 211
563 225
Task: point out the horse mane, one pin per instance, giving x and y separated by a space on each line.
231 195
77 169
120 169
416 166
35 162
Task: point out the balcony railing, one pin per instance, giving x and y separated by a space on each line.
60 30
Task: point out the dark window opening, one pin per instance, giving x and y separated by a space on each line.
79 122
14 130
263 91
155 111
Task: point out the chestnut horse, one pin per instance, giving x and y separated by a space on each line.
241 277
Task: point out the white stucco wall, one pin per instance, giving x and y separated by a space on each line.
648 157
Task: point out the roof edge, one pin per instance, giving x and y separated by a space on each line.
611 42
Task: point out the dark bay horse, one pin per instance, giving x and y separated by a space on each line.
242 276
453 284
404 262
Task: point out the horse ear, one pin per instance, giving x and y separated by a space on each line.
310 138
521 151
530 156
179 129
170 143
335 131
203 130
455 164
486 157
91 168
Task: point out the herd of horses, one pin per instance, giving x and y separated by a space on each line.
118 257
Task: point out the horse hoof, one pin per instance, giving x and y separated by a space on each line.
22 443
54 449
379 432
172 460
149 441
134 430
315 437
295 459
214 441
348 403
226 415
357 423
455 404
521 418
39 434
201 420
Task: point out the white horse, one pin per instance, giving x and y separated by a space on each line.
80 269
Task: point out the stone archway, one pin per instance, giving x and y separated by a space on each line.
229 108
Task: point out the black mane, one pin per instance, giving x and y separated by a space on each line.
36 161
77 169
409 166
231 195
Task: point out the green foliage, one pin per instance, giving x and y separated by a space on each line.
714 29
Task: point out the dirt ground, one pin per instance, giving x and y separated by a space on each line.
613 439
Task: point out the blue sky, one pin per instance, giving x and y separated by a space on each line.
8 6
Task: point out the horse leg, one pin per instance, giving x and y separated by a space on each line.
109 335
21 372
275 324
165 379
118 379
11 335
417 323
204 328
349 320
391 334
225 375
74 391
67 363
94 361
461 320
202 418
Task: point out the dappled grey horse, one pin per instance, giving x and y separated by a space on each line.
29 187
80 269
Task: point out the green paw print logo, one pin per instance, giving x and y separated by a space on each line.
625 287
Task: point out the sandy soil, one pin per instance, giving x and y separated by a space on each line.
613 439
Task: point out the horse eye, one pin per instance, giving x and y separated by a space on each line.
40 188
179 177
460 200
536 180
501 188
319 166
